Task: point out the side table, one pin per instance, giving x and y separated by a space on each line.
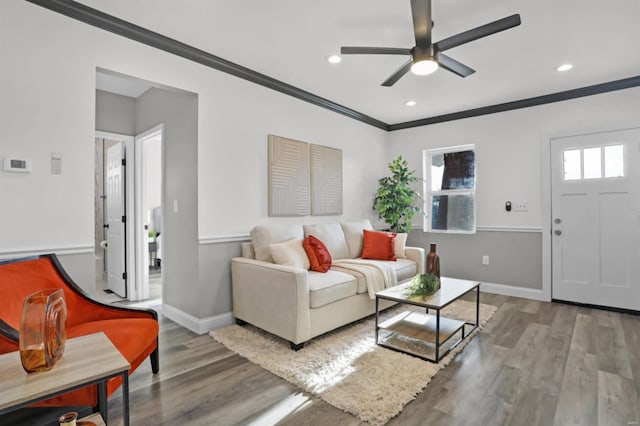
87 360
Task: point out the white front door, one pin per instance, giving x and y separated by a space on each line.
115 212
596 219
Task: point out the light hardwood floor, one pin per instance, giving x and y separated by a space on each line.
534 363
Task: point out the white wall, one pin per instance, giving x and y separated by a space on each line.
48 105
509 147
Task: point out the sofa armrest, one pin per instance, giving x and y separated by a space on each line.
272 297
417 254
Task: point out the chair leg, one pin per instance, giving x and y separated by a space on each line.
296 346
155 361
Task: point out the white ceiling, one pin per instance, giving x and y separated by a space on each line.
290 40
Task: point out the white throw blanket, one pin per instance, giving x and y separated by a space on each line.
378 275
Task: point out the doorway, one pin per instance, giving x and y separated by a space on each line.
595 207
149 213
111 230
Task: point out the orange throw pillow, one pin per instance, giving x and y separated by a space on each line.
379 245
318 255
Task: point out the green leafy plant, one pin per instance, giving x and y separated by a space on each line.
424 285
395 197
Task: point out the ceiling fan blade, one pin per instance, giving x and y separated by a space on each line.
398 74
354 50
422 24
454 66
479 32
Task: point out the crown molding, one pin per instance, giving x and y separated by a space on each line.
595 89
126 29
150 38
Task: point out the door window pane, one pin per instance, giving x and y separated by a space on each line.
593 163
452 212
613 161
572 165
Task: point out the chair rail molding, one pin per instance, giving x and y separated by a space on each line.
34 251
240 238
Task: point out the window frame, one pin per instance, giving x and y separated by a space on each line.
427 155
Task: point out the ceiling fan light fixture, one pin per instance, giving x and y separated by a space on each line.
424 67
410 103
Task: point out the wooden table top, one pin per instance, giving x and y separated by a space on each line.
450 290
85 359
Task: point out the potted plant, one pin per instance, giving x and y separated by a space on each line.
424 285
395 197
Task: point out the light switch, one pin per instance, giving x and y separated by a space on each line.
175 206
56 163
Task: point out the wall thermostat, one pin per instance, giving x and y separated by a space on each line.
17 165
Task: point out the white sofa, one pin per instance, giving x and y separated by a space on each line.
298 304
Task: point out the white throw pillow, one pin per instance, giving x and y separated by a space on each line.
400 242
331 236
353 235
290 253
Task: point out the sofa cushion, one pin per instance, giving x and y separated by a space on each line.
405 269
353 235
332 236
290 253
399 244
378 245
318 255
263 235
330 287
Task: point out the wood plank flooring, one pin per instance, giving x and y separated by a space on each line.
535 363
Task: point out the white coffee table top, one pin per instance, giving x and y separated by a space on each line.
451 289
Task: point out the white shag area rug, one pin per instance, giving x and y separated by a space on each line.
345 367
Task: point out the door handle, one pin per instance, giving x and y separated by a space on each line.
557 232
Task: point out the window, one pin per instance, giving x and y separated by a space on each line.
450 189
589 163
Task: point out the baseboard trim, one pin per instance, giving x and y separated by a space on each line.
36 251
197 325
224 239
509 290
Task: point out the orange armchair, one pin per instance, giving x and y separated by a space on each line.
133 331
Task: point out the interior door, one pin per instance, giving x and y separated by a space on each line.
115 213
596 219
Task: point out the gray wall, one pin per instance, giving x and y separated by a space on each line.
179 114
215 277
115 113
81 269
515 258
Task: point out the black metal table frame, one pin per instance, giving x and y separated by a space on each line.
102 396
438 344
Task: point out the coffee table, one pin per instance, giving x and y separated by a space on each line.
433 329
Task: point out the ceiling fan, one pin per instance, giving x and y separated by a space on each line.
426 56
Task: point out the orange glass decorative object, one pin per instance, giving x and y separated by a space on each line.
43 329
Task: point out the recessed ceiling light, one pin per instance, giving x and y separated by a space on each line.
334 59
410 103
564 67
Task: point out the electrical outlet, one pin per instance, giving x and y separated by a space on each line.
520 206
485 260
